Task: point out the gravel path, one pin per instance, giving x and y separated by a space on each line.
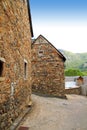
57 114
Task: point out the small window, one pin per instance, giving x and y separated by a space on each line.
40 53
25 69
1 68
12 89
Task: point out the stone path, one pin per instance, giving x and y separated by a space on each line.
57 114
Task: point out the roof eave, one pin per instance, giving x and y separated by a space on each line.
62 56
29 13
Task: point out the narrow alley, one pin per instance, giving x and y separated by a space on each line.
57 114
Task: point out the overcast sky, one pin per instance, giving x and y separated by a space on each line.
62 22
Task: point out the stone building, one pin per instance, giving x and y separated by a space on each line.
80 81
15 59
47 68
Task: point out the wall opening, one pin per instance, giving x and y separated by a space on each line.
41 52
25 69
1 68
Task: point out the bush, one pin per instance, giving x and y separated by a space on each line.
73 72
85 73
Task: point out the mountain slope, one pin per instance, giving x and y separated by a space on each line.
75 60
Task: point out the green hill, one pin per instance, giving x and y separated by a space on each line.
75 60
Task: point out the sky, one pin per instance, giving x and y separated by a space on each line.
62 22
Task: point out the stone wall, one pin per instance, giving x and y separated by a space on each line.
15 63
84 89
76 90
47 69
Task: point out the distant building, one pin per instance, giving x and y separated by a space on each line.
80 80
15 59
47 68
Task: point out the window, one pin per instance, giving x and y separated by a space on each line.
25 69
1 68
2 60
40 53
12 89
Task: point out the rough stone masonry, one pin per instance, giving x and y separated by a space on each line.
15 59
47 68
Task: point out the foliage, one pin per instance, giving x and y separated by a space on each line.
75 61
73 72
84 73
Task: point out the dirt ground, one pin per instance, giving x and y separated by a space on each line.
57 114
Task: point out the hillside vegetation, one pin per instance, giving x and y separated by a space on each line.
76 61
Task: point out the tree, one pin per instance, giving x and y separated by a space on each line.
73 72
